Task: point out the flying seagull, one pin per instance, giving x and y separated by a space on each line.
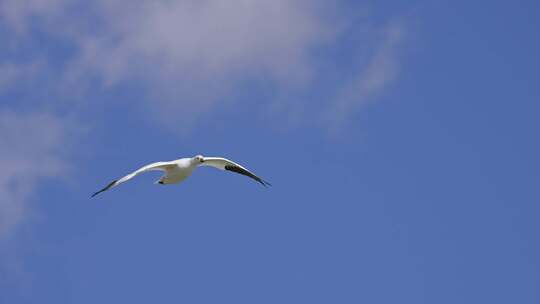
180 169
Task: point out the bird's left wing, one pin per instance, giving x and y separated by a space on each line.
225 164
162 166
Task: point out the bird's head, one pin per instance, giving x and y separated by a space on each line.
198 159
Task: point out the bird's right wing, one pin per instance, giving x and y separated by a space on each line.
226 164
161 166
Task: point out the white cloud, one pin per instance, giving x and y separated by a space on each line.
205 39
189 54
194 56
32 149
17 14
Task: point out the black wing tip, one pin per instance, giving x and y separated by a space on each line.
96 193
104 189
245 172
265 183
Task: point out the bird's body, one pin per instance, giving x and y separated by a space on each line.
178 170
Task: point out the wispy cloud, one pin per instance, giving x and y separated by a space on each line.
196 56
370 80
205 39
18 15
32 149
193 55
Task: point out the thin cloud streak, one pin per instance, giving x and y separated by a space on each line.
33 149
16 76
379 73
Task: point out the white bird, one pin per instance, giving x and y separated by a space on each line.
180 169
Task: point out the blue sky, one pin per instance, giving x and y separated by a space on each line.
401 140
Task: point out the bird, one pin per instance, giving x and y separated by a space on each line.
178 170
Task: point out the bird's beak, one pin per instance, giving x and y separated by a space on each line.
202 160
